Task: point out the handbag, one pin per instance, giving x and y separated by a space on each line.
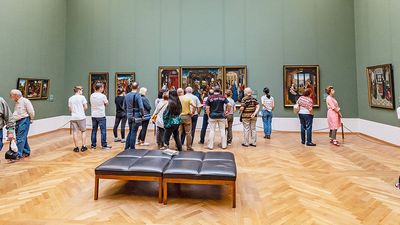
12 153
154 117
170 121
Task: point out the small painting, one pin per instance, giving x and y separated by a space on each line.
201 79
124 80
296 79
235 78
97 77
169 77
380 86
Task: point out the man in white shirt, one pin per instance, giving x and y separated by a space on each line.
98 103
23 115
77 105
196 109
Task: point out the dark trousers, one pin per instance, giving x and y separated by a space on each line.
1 139
133 129
118 120
229 128
143 131
194 124
203 128
332 134
174 130
96 123
21 131
160 137
306 121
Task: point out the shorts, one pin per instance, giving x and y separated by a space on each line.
78 125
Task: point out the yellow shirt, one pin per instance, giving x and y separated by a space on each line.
186 103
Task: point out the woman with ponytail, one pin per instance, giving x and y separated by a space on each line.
268 106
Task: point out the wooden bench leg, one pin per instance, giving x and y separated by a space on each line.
160 190
96 188
165 190
233 194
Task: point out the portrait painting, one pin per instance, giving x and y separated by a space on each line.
98 77
235 78
297 79
380 86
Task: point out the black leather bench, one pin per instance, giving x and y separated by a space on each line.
143 165
212 168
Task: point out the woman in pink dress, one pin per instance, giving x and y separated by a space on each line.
334 115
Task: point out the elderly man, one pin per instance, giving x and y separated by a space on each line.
6 120
196 110
23 115
187 112
217 108
249 109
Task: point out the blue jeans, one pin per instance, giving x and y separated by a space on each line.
96 122
131 138
267 121
306 121
204 128
22 130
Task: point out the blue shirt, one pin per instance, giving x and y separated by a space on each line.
134 105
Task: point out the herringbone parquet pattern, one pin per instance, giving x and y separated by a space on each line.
279 182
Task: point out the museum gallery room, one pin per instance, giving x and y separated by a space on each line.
200 112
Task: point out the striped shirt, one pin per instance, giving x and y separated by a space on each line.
250 105
267 103
306 105
23 108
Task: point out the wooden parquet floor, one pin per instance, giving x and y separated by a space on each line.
279 182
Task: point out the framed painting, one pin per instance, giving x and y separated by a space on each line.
124 80
21 85
45 89
201 79
169 77
96 77
235 79
380 86
34 89
296 79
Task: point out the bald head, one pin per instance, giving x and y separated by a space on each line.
180 92
189 90
135 86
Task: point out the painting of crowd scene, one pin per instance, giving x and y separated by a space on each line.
124 80
33 88
296 80
380 86
168 78
201 79
235 78
97 77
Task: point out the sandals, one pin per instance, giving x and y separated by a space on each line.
335 142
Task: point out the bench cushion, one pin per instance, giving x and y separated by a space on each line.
190 155
183 169
212 156
218 170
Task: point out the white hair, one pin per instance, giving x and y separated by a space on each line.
16 92
180 91
189 90
143 91
248 91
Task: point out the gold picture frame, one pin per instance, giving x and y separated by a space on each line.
169 77
202 78
235 79
34 88
123 80
95 77
380 86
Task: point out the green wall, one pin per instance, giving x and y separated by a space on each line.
140 35
378 42
32 44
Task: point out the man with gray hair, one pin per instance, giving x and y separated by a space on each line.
6 120
195 109
23 115
186 115
249 109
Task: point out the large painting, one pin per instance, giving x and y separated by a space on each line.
169 77
33 88
235 78
380 86
124 80
201 79
296 79
96 77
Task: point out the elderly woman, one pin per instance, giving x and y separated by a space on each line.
334 115
306 116
249 109
146 118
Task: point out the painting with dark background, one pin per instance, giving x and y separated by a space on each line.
380 86
201 79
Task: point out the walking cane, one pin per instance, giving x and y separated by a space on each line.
342 131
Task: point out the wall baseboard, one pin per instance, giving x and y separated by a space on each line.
386 133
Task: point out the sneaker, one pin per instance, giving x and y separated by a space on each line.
253 145
303 143
268 136
144 144
76 149
265 137
107 147
123 140
117 140
84 148
244 145
92 147
229 144
311 144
